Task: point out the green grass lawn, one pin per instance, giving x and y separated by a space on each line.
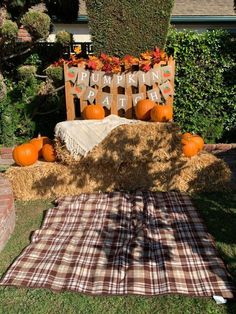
219 212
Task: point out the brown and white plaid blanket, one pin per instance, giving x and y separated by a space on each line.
119 243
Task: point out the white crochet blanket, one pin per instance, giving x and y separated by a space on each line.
80 136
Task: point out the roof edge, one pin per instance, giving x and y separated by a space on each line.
203 18
175 19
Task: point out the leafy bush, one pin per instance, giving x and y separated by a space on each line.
9 30
63 38
33 59
37 23
16 110
55 74
128 27
24 112
205 100
8 121
26 72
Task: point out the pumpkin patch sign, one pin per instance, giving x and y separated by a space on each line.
118 90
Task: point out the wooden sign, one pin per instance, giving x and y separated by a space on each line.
118 91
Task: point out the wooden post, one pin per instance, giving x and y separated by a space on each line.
113 91
83 103
156 67
70 105
170 99
129 111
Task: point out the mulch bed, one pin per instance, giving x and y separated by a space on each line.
119 243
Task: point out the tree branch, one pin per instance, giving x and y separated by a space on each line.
41 76
45 113
32 44
17 54
56 90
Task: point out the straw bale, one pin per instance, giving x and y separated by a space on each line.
203 172
134 142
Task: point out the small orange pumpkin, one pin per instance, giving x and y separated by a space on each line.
39 141
25 154
190 148
193 138
186 135
48 152
198 140
94 112
162 113
143 109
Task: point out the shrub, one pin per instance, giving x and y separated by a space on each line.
8 122
22 112
26 72
37 23
9 30
63 38
128 27
55 74
33 59
205 100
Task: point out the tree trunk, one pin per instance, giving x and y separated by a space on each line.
3 14
3 88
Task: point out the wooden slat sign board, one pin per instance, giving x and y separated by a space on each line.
118 93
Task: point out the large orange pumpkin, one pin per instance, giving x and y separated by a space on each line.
190 148
143 109
162 113
39 141
48 152
94 112
25 154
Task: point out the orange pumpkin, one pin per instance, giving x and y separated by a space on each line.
143 109
25 154
162 113
193 138
198 140
48 152
39 141
190 148
95 112
186 135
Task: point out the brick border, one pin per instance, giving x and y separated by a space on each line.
211 148
7 211
6 156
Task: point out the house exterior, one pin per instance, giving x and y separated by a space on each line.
203 15
197 15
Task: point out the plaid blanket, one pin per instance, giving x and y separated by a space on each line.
119 243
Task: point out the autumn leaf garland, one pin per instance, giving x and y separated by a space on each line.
111 64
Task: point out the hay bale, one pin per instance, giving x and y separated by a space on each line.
135 142
146 156
203 172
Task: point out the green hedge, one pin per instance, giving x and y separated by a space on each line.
128 26
205 100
